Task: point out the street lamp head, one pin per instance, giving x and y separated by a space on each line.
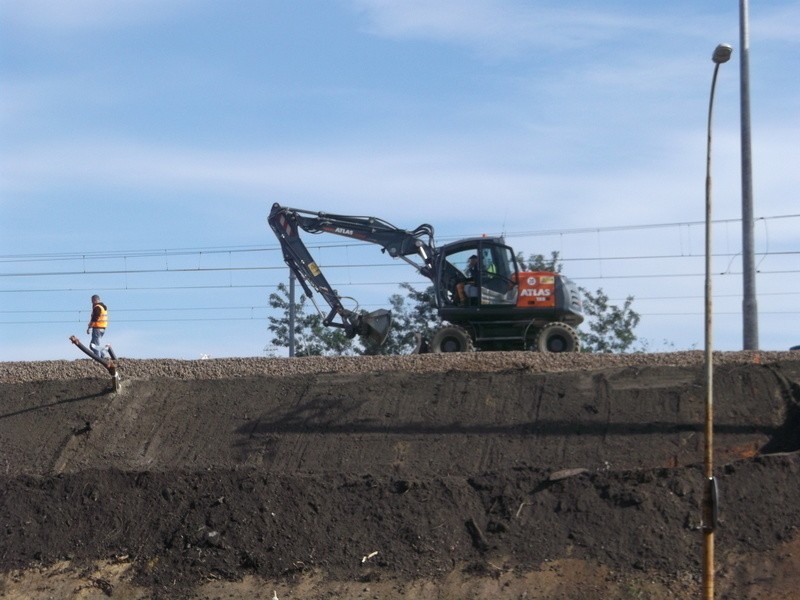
722 53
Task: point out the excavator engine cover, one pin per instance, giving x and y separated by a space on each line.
375 326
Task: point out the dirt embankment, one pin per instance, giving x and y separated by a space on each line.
392 477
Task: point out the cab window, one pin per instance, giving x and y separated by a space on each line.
480 275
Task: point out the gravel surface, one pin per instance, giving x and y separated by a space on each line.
18 372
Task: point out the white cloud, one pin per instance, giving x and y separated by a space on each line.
778 24
433 172
351 176
496 26
81 15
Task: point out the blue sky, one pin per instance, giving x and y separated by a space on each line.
143 142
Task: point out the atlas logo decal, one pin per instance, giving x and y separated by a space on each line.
343 231
542 293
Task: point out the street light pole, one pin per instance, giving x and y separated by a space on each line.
722 54
749 303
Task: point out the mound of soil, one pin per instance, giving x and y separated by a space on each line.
512 475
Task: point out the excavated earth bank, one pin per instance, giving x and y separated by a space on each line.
503 475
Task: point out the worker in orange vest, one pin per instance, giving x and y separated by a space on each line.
97 326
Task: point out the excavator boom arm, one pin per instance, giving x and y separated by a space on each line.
286 223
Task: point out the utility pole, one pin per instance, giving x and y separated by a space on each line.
749 304
292 278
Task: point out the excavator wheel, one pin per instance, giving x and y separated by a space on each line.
556 337
451 338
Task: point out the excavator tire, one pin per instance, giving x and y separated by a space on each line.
451 338
557 337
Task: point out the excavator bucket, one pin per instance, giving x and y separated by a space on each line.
375 326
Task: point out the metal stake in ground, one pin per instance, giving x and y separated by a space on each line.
110 365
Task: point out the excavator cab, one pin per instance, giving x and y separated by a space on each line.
488 303
479 272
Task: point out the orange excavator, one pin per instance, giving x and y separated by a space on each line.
484 299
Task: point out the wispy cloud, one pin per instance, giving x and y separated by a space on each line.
496 26
509 27
78 15
341 171
780 23
355 179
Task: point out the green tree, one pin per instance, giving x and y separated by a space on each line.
610 326
538 262
311 337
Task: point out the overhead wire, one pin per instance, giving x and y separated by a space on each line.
239 250
108 254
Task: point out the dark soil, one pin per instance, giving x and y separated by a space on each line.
400 483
